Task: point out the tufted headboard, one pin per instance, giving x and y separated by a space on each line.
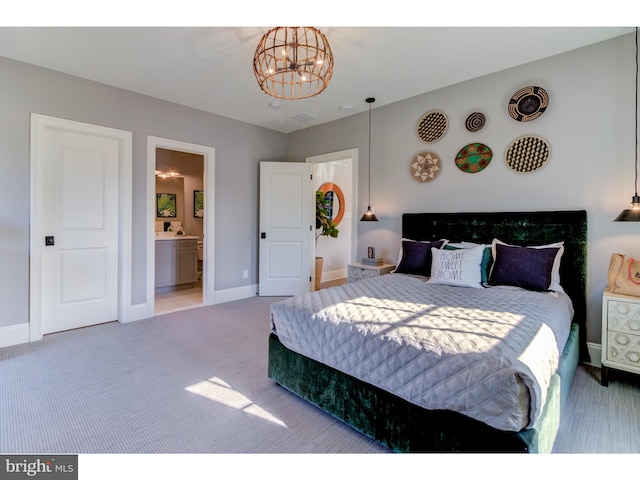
518 228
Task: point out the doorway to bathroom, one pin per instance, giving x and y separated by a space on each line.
180 272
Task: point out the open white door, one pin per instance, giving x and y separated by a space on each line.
286 228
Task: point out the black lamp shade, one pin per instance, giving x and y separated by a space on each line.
369 216
631 214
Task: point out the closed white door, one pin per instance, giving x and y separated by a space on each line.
77 217
286 228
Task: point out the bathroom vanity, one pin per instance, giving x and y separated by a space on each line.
176 261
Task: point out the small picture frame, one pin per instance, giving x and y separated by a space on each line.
166 205
198 204
371 252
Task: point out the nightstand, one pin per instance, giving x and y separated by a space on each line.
358 271
620 334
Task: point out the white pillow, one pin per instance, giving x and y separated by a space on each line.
555 271
460 267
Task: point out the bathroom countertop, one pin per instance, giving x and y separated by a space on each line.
177 237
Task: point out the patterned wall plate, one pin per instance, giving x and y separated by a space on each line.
475 121
425 166
474 158
527 154
432 126
528 103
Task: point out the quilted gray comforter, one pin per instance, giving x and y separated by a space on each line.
486 353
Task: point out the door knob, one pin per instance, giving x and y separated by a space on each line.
48 240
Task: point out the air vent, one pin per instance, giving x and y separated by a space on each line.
303 117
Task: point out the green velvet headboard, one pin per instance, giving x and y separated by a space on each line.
518 228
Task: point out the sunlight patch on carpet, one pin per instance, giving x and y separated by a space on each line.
220 391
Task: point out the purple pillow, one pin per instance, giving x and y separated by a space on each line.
416 257
523 267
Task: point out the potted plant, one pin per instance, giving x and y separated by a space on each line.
324 227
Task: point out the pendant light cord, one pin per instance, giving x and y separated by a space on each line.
369 202
636 132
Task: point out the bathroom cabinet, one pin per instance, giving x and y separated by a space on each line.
176 261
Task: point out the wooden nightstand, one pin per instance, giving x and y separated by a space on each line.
620 334
358 271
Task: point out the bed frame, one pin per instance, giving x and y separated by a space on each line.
404 427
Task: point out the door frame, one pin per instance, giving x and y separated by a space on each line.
38 124
208 257
351 154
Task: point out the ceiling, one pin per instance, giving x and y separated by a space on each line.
211 69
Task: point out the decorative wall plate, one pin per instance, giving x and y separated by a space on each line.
528 103
475 121
425 166
527 154
474 158
432 126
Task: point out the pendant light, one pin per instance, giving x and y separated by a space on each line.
632 214
293 62
369 216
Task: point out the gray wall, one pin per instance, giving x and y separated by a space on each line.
589 126
239 148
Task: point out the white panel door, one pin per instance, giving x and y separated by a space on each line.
79 220
286 228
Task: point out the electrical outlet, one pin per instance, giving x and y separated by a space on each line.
245 274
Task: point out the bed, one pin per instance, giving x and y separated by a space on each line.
363 353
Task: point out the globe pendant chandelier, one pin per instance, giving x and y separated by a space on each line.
292 63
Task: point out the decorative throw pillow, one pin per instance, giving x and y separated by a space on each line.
531 268
555 271
487 258
415 257
458 267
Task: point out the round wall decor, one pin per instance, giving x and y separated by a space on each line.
475 121
335 198
527 154
528 103
432 126
474 158
425 166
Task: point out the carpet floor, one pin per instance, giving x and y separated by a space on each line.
195 382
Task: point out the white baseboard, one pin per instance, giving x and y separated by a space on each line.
144 310
14 334
334 275
238 293
595 353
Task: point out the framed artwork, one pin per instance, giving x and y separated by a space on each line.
166 205
198 204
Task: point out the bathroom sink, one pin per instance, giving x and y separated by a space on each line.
166 234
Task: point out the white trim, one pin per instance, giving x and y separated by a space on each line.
14 335
328 276
351 154
595 353
209 154
38 124
237 293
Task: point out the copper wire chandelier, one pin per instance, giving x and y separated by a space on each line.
292 63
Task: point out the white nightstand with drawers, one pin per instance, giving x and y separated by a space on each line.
620 334
358 271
